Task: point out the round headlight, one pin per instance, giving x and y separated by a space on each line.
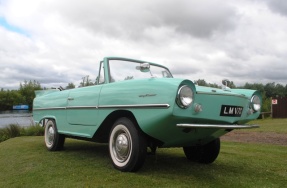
184 96
255 103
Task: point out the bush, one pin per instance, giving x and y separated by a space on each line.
11 131
3 135
33 130
14 130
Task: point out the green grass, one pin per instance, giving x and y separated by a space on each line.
26 163
270 125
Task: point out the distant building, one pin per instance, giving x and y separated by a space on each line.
279 107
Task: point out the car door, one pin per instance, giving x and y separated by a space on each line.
82 106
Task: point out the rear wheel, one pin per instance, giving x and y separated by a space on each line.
203 154
127 146
53 140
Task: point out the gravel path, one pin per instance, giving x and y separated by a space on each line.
256 137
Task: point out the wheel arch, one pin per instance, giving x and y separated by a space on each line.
42 122
102 134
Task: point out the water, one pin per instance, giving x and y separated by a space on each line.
20 117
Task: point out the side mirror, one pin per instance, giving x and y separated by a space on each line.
144 67
226 82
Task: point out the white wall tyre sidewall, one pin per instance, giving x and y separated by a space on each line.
116 131
50 126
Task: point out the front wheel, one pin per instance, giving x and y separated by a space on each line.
127 146
203 154
53 140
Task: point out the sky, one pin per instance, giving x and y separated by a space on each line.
59 42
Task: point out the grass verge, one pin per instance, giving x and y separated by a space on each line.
86 164
270 125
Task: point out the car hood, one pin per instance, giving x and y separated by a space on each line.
229 92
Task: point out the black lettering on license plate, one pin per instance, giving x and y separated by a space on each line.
232 111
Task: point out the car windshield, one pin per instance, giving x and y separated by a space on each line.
121 70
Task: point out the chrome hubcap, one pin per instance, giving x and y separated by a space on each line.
121 147
50 135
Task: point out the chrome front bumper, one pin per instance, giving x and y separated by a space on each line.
211 126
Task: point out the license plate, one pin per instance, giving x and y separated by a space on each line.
231 111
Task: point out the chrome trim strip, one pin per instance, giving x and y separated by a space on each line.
106 107
233 95
51 108
81 107
217 126
136 106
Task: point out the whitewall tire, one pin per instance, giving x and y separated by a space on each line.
127 146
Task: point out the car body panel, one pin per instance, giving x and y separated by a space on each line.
82 106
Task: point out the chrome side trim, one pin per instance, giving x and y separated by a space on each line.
51 108
81 107
214 93
211 126
106 107
136 106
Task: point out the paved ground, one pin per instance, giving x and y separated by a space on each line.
256 137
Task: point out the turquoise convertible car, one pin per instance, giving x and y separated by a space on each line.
138 106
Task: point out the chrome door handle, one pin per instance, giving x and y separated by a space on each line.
70 98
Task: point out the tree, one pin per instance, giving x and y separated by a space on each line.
70 86
202 82
86 82
270 89
280 90
9 98
255 86
27 90
232 85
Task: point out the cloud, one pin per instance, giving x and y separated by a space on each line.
278 6
132 18
62 41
